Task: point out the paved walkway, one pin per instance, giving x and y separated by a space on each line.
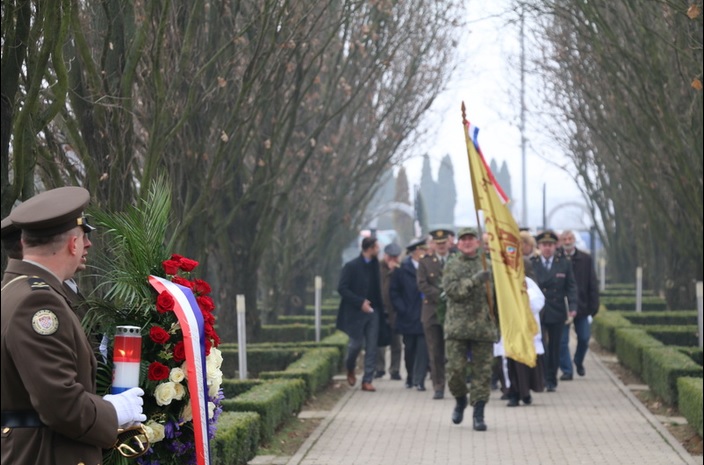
591 420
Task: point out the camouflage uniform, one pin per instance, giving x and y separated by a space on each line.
468 328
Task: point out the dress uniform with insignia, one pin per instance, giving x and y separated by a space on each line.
51 413
429 278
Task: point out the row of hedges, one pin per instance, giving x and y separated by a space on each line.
655 353
306 319
648 303
295 332
253 409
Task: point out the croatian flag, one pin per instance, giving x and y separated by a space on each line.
191 320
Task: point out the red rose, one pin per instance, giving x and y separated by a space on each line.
205 303
159 335
186 264
179 352
208 318
164 303
201 287
182 281
176 257
170 267
158 371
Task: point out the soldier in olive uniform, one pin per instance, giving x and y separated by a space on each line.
429 278
469 327
51 413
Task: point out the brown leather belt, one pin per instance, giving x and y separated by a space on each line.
20 419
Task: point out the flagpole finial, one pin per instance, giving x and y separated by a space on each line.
464 114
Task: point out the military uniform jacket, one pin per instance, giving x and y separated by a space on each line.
48 367
467 316
359 280
429 278
556 284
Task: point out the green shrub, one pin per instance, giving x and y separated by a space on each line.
675 335
689 395
676 318
237 438
274 401
306 319
695 353
316 367
629 344
604 326
292 333
648 303
234 387
661 368
258 359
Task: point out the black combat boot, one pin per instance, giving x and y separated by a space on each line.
478 418
458 412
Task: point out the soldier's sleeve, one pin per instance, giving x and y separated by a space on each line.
46 338
430 292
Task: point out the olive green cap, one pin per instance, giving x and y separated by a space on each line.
53 212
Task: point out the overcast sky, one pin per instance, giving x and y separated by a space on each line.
488 81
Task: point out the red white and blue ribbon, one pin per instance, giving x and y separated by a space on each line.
191 320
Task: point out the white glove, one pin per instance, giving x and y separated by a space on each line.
128 406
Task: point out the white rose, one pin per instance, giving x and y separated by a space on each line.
215 358
155 431
187 413
165 393
211 410
177 375
214 384
180 391
184 369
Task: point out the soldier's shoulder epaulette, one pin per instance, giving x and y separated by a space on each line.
36 283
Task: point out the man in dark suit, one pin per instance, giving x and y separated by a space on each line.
587 306
555 277
360 309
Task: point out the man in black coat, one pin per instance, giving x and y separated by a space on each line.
360 309
554 275
587 306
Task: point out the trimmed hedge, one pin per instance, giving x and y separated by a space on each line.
695 353
316 367
306 320
676 318
325 310
689 395
237 438
675 335
234 387
630 343
604 327
661 368
258 359
292 333
630 292
274 401
648 303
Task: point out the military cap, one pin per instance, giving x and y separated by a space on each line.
53 212
392 250
467 231
9 231
546 236
416 244
440 235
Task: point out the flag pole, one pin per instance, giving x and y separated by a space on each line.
487 284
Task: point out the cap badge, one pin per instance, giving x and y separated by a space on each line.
45 322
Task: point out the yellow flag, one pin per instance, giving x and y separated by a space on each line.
518 326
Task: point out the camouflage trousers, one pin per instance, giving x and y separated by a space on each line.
482 356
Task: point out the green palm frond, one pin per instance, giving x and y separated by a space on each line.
135 247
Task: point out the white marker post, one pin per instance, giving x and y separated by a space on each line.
602 274
242 336
639 289
318 310
699 312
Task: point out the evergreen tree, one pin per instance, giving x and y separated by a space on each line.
403 224
446 193
428 190
421 214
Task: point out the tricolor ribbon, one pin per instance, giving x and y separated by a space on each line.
191 320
